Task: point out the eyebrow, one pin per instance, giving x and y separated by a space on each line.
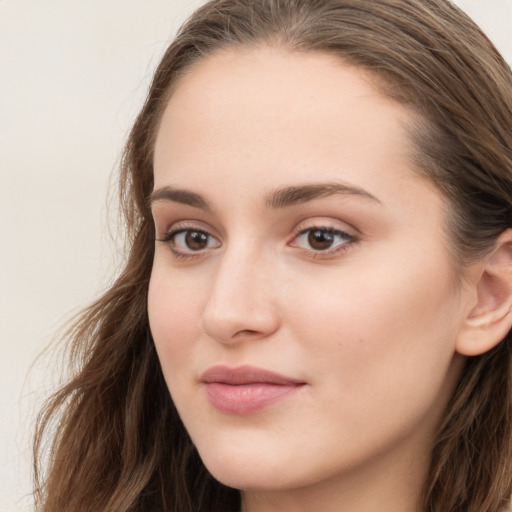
289 196
179 196
279 198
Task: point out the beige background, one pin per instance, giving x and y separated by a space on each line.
72 77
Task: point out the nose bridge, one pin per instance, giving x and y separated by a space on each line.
241 298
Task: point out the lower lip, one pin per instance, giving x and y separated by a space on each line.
245 399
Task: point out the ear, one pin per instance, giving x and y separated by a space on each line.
490 319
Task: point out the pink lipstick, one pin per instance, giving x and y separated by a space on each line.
246 390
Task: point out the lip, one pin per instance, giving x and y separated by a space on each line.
246 390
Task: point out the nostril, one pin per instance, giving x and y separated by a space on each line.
247 332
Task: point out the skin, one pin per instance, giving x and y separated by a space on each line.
370 324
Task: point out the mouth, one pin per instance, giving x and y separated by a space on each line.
246 390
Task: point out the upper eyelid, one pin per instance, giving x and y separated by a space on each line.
350 237
326 223
176 231
325 227
306 224
188 224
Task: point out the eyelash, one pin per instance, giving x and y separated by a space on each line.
330 252
169 239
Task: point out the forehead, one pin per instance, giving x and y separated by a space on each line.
264 110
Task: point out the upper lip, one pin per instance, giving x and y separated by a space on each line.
246 374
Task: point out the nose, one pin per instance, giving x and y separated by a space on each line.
241 304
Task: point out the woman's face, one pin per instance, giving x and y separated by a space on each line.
295 238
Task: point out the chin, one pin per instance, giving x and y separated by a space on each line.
256 479
243 470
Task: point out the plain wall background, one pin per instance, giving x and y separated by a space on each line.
73 75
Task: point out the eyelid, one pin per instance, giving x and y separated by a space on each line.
326 225
185 224
182 226
335 226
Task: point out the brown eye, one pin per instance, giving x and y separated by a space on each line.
196 240
184 242
320 239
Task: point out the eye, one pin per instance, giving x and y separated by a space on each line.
193 240
186 242
322 239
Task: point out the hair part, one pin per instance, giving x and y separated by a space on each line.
120 444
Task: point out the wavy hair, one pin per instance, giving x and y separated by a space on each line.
111 439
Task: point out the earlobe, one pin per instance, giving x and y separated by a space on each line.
490 319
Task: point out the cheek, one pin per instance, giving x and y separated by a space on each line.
173 310
380 354
388 331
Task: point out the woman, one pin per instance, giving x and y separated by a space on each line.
316 309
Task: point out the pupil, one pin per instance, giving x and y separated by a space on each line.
320 239
196 240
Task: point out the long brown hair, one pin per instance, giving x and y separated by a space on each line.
116 441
